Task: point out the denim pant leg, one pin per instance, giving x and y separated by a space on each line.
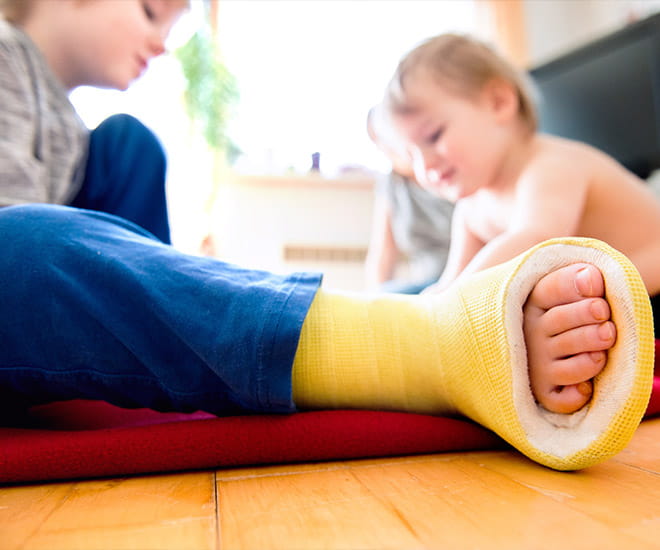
125 175
91 306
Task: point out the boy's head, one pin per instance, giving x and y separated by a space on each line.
461 65
103 43
16 11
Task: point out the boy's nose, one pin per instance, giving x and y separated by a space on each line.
156 44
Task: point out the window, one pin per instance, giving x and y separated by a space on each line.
308 72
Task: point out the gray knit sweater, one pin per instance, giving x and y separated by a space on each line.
43 142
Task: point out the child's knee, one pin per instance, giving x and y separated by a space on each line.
122 130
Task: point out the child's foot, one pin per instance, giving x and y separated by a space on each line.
567 332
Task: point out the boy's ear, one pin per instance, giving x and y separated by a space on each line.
502 98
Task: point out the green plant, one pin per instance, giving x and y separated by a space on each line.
211 90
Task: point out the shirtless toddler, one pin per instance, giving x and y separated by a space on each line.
470 126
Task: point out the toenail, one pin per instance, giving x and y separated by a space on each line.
584 388
606 332
599 310
583 284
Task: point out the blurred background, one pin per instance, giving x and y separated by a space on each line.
261 106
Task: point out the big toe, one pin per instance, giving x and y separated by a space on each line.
566 285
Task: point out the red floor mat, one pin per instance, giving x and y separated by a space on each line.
84 439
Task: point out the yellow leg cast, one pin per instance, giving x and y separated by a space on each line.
464 351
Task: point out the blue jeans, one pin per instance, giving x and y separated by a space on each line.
125 175
92 306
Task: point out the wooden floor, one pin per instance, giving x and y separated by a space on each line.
450 501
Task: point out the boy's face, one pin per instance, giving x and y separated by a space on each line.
454 141
115 39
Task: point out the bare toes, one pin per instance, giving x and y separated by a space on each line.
566 285
581 339
565 385
566 317
568 399
567 331
575 369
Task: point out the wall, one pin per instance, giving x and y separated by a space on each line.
555 27
296 223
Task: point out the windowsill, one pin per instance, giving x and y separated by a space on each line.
317 181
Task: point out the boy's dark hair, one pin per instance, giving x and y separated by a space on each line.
14 11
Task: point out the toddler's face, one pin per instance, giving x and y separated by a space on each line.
450 139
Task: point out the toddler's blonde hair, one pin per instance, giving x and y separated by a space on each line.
462 65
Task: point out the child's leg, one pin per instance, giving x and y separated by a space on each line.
92 306
464 351
125 175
